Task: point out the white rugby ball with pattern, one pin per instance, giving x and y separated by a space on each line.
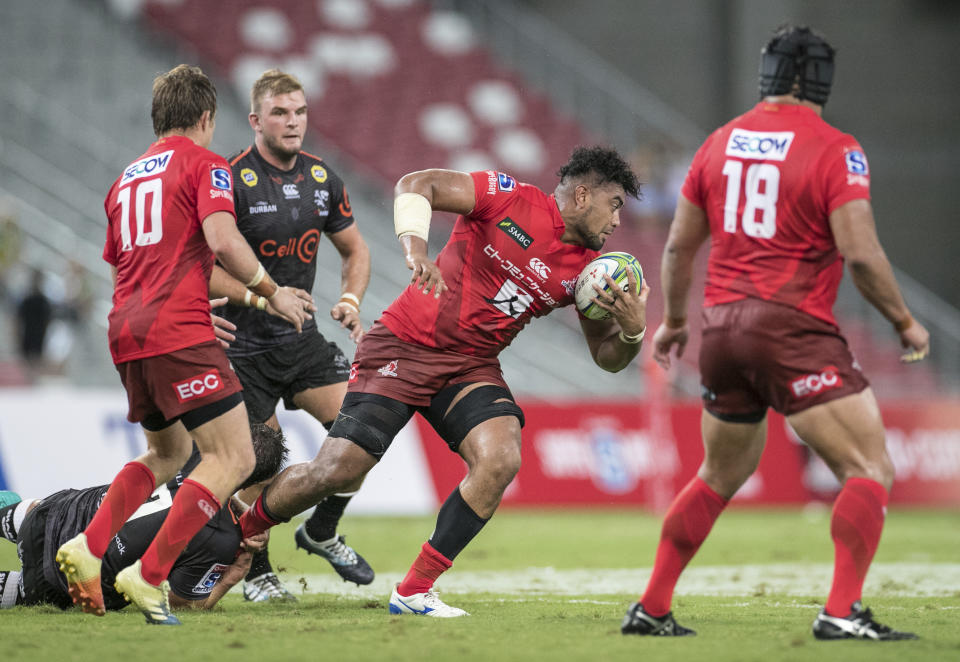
616 265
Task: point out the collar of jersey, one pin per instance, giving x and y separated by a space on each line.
269 166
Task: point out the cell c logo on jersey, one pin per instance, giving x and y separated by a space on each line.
249 177
199 386
815 383
303 247
319 174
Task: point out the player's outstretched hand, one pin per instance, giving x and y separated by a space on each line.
665 339
287 304
349 318
221 327
916 339
628 307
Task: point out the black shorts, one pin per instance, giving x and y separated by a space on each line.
40 586
308 362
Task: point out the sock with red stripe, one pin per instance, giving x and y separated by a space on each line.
258 517
129 489
855 527
685 527
193 506
429 565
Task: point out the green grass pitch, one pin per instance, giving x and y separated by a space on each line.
549 585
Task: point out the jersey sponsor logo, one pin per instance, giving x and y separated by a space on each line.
220 179
515 232
524 277
147 166
322 200
511 299
857 180
856 162
767 145
249 177
263 208
354 373
319 174
816 382
389 370
539 268
196 387
569 286
506 183
216 193
290 191
303 247
210 579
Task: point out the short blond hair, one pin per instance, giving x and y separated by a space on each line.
271 83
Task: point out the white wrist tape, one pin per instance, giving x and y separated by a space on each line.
257 277
632 338
411 215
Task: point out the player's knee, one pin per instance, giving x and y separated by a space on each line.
499 465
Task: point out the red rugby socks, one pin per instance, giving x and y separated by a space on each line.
429 565
685 527
192 508
855 527
129 489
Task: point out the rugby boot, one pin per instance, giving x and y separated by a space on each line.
344 559
153 601
638 621
82 570
266 587
858 625
422 604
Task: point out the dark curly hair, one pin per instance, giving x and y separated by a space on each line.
605 165
270 448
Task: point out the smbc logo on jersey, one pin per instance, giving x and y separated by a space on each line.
303 247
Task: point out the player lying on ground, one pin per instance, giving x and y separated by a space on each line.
211 564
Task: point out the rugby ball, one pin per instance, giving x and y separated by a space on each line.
617 266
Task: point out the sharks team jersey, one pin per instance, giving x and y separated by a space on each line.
768 182
504 264
194 573
282 214
155 240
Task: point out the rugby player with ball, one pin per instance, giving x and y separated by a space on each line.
515 253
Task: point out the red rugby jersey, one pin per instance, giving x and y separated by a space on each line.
155 240
768 181
503 264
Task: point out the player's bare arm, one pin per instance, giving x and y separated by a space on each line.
855 233
236 256
688 231
615 341
222 284
354 277
417 194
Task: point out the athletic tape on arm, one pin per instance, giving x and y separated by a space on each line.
411 215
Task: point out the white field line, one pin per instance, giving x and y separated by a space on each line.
813 580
